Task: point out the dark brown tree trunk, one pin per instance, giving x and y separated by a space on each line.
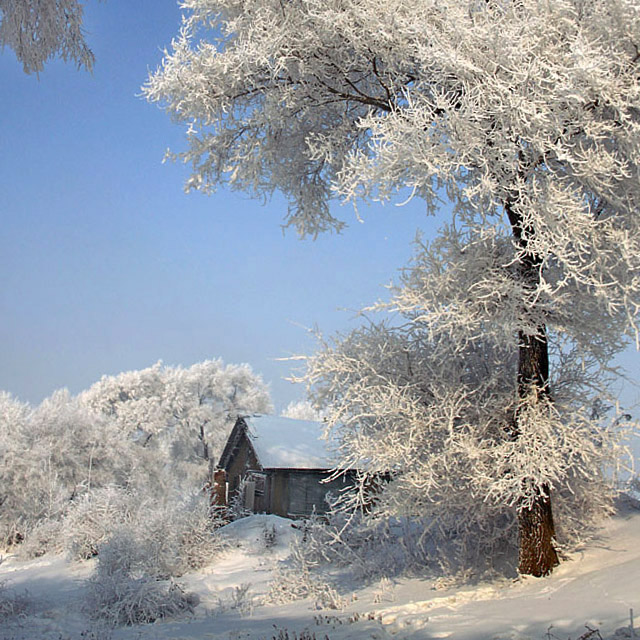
205 446
537 554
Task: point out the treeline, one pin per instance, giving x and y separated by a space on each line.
139 438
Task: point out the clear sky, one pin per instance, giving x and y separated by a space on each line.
106 265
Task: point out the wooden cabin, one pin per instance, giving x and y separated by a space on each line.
285 463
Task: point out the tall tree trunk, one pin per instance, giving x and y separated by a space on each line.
537 554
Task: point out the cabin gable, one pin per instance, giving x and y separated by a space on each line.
290 491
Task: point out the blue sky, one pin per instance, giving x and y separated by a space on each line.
108 266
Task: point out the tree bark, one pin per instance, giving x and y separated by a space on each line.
537 554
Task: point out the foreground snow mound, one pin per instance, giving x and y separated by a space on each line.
263 532
593 589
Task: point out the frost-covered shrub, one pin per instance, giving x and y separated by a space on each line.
632 487
354 547
305 573
299 580
199 540
170 537
55 453
178 536
370 547
124 591
12 605
46 536
240 600
92 519
89 520
436 418
269 536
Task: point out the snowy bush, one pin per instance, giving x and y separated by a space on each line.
199 540
299 581
342 547
11 604
123 591
304 573
178 536
45 536
133 582
437 417
269 536
55 453
370 548
241 600
92 519
632 487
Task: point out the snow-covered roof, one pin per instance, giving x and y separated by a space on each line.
289 444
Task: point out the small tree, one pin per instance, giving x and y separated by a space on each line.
38 30
524 112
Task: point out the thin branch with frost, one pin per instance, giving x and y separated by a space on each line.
38 31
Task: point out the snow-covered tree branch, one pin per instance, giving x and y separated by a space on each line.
38 30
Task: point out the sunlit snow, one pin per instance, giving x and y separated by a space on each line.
596 588
291 444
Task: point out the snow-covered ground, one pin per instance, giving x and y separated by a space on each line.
596 587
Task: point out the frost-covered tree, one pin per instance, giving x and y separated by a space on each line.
187 412
302 410
54 453
523 112
38 30
140 438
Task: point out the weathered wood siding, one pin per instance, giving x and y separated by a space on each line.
243 459
285 492
296 493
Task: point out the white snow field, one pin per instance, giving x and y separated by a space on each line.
593 589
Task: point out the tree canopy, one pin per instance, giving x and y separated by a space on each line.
188 412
